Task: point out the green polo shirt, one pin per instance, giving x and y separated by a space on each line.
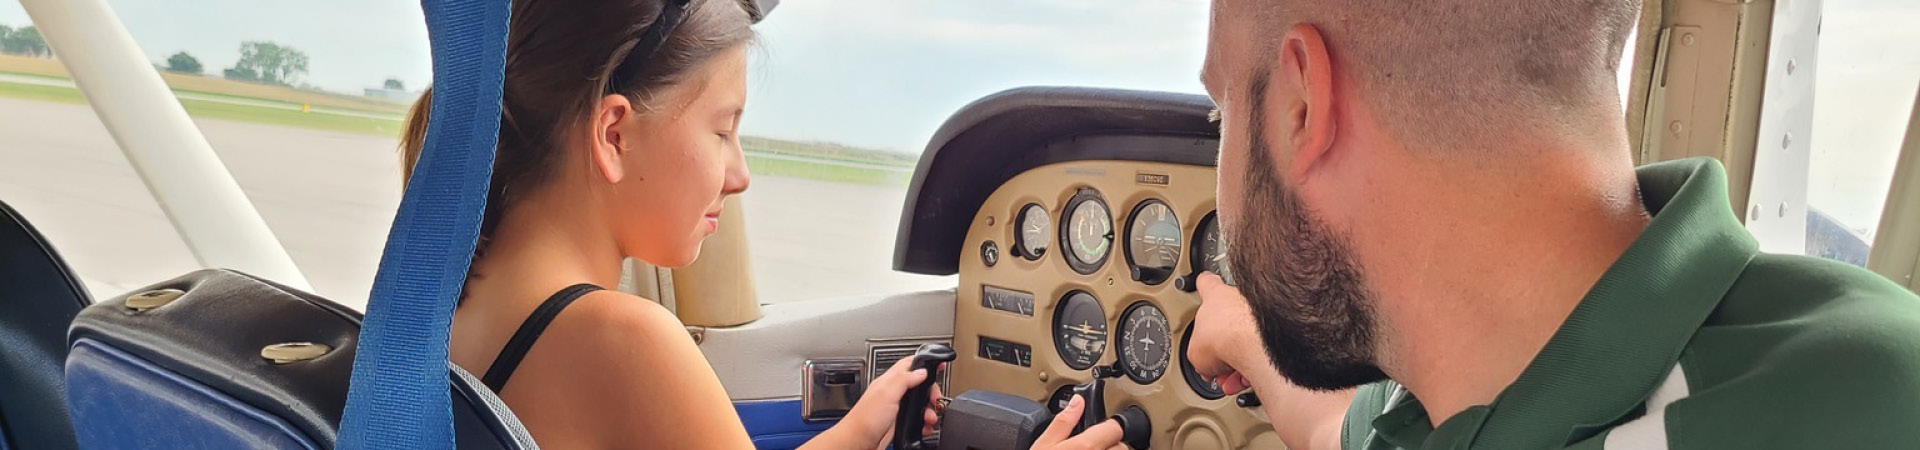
1695 340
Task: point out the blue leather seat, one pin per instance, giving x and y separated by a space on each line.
38 298
190 372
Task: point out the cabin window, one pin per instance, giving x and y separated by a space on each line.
1866 81
303 101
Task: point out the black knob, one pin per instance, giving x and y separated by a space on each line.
1135 429
1094 394
1247 400
913 406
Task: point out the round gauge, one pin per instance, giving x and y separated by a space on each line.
1088 234
1144 346
1058 401
1207 389
1153 242
1210 249
1080 330
1035 233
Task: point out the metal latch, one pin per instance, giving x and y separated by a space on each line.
830 387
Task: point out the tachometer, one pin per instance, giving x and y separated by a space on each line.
1153 242
1080 330
1144 345
1088 233
1210 249
1035 233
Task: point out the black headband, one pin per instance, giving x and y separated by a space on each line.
672 13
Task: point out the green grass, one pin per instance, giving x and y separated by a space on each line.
41 93
225 111
825 172
319 121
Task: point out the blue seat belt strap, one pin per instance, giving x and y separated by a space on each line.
399 396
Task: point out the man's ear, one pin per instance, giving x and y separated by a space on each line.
1307 71
607 144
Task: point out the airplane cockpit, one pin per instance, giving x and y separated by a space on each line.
1066 228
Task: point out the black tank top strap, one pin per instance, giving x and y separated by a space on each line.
529 332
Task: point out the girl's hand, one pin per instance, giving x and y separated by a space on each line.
870 424
1104 436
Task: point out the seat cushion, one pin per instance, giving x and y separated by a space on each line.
39 298
191 369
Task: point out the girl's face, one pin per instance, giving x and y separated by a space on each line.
672 168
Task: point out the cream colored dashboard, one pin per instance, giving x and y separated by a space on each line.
1045 302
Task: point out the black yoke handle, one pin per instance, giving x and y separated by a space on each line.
913 406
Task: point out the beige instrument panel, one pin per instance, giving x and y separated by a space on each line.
1181 417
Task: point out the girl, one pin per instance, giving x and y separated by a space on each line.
618 140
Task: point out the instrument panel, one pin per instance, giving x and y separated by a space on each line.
1113 301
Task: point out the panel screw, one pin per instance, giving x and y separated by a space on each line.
1786 141
1686 39
153 299
1676 127
1783 209
1791 65
989 220
1753 214
291 352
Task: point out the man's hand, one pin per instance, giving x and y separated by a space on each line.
1227 348
1226 341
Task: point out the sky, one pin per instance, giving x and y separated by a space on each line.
872 73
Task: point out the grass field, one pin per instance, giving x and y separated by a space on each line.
226 111
215 98
825 171
765 157
48 68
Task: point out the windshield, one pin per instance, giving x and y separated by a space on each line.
305 113
876 84
843 97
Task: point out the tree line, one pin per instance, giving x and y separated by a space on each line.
25 41
260 61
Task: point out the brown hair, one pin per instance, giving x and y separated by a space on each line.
560 57
1428 65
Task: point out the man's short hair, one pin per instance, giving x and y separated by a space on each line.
1457 72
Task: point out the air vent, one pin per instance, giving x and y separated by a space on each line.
883 353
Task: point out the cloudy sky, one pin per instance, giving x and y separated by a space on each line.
874 73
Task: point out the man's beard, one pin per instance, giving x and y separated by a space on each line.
1307 295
